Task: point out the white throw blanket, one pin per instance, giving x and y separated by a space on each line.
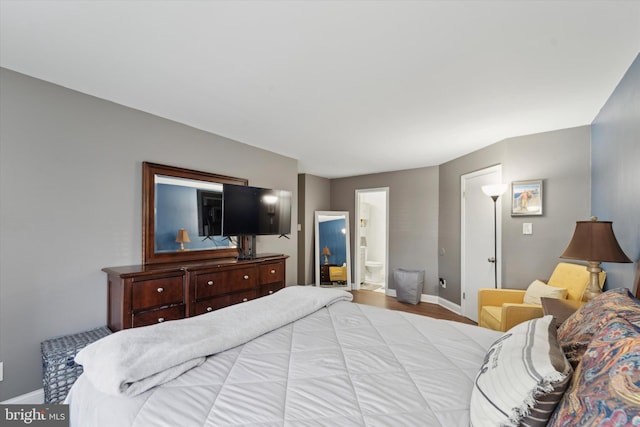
135 360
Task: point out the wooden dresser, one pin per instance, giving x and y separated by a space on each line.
141 295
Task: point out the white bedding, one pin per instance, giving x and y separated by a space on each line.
136 360
343 365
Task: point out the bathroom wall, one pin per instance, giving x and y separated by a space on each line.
375 229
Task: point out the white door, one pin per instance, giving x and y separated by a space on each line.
477 237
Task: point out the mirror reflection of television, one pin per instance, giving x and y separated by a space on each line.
209 213
255 211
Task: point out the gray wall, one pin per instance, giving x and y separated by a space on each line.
562 159
413 218
615 172
70 186
315 195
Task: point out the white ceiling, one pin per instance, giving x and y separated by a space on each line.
345 87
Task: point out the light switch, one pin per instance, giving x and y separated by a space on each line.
527 228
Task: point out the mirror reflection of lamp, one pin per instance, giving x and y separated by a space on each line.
270 200
327 253
182 238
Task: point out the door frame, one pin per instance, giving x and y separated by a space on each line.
356 257
463 208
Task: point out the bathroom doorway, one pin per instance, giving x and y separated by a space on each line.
372 239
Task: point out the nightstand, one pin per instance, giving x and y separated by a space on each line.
325 279
560 309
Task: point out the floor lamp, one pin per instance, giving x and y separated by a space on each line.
494 191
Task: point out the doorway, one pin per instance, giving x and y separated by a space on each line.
372 239
477 238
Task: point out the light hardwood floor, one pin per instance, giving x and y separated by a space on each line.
424 308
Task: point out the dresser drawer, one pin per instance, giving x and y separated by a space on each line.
269 289
152 317
223 301
272 273
157 292
224 282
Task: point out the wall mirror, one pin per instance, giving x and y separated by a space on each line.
332 248
182 214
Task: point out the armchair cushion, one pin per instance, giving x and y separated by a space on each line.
338 274
539 289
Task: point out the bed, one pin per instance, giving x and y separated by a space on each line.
308 356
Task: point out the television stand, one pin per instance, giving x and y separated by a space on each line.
246 247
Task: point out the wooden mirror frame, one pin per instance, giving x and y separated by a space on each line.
149 256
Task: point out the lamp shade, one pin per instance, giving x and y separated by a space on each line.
594 241
494 189
326 251
183 236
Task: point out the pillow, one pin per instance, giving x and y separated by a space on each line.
606 384
539 289
575 333
522 378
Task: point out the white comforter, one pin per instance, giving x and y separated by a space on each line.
136 360
343 365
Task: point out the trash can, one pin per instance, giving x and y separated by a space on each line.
408 285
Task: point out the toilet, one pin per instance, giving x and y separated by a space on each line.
374 272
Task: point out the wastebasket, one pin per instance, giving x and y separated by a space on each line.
408 285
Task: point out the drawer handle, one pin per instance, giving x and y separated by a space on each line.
246 276
160 319
270 292
244 300
273 272
160 290
210 282
209 309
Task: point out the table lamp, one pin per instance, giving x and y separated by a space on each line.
182 238
593 241
326 252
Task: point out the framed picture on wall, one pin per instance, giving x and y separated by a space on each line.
526 198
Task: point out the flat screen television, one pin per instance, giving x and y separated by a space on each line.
248 211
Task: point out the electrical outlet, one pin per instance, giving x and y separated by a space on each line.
443 283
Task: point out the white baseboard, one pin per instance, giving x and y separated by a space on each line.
450 306
433 300
35 397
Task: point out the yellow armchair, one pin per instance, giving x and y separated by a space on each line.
501 309
338 274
